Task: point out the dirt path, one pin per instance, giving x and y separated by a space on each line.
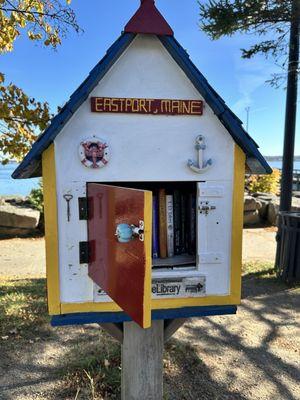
22 257
26 257
251 356
259 244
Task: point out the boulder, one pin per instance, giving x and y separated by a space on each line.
251 218
273 211
251 204
15 217
265 196
263 211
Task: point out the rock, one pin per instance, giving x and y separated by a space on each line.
17 217
251 218
273 210
265 196
251 204
263 211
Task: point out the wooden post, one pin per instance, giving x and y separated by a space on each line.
142 362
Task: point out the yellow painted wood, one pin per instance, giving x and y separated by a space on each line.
237 223
148 258
71 308
51 230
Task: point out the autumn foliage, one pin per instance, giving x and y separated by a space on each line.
264 183
22 117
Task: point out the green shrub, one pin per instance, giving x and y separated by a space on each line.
36 200
264 183
36 197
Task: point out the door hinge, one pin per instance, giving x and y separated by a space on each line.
83 208
83 252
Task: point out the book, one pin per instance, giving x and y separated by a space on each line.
170 225
177 223
183 227
155 228
162 223
191 224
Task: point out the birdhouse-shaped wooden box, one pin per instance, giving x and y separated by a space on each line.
143 173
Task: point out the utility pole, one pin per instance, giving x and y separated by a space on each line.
286 191
291 111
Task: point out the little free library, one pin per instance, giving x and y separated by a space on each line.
143 172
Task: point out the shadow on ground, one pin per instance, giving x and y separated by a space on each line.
254 355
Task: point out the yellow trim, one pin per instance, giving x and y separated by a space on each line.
51 230
148 258
237 223
70 308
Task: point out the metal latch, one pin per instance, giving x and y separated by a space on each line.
83 252
83 208
204 207
125 232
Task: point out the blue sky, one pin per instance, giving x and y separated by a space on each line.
53 75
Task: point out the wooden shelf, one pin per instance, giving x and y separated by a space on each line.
182 260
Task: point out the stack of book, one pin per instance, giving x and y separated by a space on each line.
174 223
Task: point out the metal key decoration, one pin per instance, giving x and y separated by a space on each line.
201 166
68 198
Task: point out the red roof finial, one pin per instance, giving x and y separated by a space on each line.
148 19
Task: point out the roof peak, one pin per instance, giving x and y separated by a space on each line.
148 20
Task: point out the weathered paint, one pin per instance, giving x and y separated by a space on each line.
51 230
121 269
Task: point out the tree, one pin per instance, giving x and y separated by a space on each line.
267 20
22 117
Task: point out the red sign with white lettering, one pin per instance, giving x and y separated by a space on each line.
146 106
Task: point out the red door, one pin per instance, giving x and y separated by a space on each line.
120 264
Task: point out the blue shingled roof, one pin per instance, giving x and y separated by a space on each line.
31 165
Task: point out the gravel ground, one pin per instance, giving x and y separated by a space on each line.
26 257
251 356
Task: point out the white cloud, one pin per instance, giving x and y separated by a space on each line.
251 75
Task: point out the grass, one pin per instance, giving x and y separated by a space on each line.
23 307
259 269
92 367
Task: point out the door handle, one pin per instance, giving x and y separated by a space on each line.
125 232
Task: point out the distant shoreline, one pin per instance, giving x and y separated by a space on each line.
279 158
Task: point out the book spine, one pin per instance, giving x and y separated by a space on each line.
183 228
170 225
177 223
155 228
162 223
192 224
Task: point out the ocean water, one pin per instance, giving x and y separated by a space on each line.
9 186
278 164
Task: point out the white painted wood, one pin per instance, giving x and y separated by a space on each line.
145 148
142 361
75 285
214 236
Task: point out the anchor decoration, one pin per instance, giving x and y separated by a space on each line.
202 166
